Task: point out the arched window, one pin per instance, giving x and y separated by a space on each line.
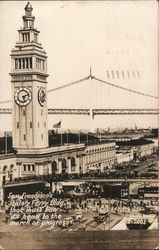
11 167
64 166
73 164
54 167
4 168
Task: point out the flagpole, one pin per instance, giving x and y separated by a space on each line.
5 142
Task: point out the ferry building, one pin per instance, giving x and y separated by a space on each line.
32 155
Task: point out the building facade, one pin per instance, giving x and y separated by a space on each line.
140 147
124 156
99 156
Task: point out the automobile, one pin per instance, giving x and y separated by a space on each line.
100 218
67 222
78 217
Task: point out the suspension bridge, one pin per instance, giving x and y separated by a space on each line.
94 111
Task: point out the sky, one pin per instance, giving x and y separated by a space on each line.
109 36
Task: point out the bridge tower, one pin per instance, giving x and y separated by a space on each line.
91 127
29 84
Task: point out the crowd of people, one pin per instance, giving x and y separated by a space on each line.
55 177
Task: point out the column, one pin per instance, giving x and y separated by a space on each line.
25 63
60 166
50 170
77 165
54 186
69 164
40 169
20 64
101 167
17 63
37 169
20 170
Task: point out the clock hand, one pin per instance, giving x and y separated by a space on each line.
43 96
24 97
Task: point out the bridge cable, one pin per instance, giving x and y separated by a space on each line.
123 88
100 80
68 84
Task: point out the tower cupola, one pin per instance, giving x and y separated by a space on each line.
28 19
28 9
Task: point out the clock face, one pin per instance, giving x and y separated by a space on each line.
42 96
23 96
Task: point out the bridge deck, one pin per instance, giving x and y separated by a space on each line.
94 111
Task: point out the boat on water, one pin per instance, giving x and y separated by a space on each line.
138 224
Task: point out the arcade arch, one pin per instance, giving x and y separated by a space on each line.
54 167
64 165
73 164
4 169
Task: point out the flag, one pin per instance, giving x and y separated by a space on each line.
57 125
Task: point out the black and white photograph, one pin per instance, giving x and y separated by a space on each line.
79 114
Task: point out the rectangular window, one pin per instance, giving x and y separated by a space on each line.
27 65
36 62
17 124
23 112
33 167
28 167
30 63
24 167
25 37
24 137
19 63
30 124
28 36
23 60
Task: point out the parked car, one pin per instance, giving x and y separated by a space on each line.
102 216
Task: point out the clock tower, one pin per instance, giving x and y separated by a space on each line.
29 87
